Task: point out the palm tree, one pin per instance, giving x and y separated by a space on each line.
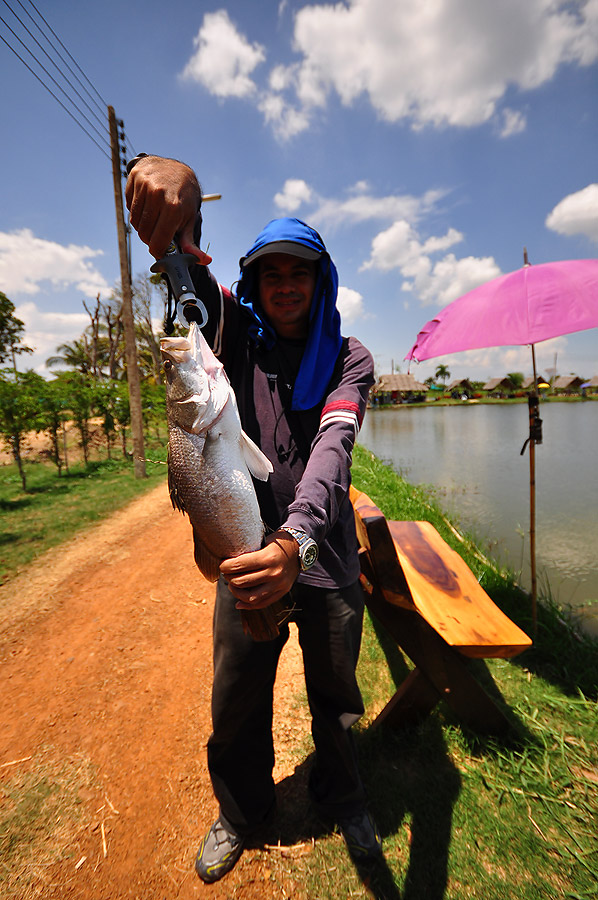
74 354
442 373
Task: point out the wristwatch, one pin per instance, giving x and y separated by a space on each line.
308 549
133 162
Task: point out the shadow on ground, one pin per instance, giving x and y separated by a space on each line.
412 786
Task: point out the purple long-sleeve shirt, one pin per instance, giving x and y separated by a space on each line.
310 450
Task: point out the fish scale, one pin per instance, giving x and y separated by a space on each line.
212 485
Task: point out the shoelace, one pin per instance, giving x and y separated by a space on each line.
228 837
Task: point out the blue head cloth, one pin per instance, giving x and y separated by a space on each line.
324 338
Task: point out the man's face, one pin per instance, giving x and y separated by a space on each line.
286 286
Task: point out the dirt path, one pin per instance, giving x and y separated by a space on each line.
106 657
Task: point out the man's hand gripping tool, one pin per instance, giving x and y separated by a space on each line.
174 266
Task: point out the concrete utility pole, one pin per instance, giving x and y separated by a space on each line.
127 308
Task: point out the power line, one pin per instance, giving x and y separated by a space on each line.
93 87
51 77
55 97
75 98
99 119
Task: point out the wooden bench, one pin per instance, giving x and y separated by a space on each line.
430 602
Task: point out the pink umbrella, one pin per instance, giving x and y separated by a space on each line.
533 304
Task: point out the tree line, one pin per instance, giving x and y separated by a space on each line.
89 380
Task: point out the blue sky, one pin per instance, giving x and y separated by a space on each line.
428 142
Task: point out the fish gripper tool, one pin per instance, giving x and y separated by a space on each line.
174 266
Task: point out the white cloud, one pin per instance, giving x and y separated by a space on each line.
512 122
281 78
436 244
359 204
500 360
285 120
577 214
441 281
450 62
45 331
224 59
393 247
399 246
446 63
350 304
361 207
450 277
27 261
488 362
295 193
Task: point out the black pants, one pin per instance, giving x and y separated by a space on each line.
240 750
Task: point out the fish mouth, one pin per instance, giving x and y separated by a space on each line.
178 350
168 344
173 359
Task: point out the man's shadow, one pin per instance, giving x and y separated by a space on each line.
412 786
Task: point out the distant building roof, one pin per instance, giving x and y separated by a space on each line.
459 382
495 383
402 384
529 381
567 381
593 382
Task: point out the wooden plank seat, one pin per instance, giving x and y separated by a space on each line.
432 605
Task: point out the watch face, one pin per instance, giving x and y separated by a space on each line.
309 556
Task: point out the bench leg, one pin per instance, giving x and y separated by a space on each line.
445 670
413 701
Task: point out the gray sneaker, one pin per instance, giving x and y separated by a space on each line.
218 853
361 836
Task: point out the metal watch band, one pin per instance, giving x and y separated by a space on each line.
308 549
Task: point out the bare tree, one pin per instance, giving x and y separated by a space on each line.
114 333
94 333
146 289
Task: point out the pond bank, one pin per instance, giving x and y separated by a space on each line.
470 458
491 401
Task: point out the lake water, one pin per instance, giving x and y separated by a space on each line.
471 455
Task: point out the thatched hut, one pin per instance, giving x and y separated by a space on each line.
528 383
460 387
499 387
397 388
567 384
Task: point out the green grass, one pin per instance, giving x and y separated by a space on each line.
41 813
463 815
488 401
55 508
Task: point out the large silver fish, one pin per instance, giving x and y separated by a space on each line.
210 459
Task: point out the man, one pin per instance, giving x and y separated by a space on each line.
302 390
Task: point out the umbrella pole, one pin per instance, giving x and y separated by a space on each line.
533 401
532 525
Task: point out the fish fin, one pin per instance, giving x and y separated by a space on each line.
257 462
207 563
175 497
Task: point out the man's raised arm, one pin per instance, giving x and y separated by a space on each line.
163 198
